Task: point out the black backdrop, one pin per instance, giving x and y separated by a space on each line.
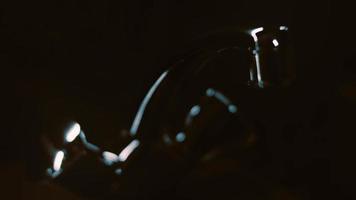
103 56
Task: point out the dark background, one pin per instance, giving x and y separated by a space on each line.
97 58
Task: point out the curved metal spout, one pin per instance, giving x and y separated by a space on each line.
192 104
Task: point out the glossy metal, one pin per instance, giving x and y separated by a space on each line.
200 110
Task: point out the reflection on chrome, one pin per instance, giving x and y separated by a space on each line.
136 123
218 95
254 33
195 110
258 68
210 92
110 158
72 133
126 152
53 174
89 146
283 28
232 108
257 55
275 42
180 137
256 72
58 159
222 98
